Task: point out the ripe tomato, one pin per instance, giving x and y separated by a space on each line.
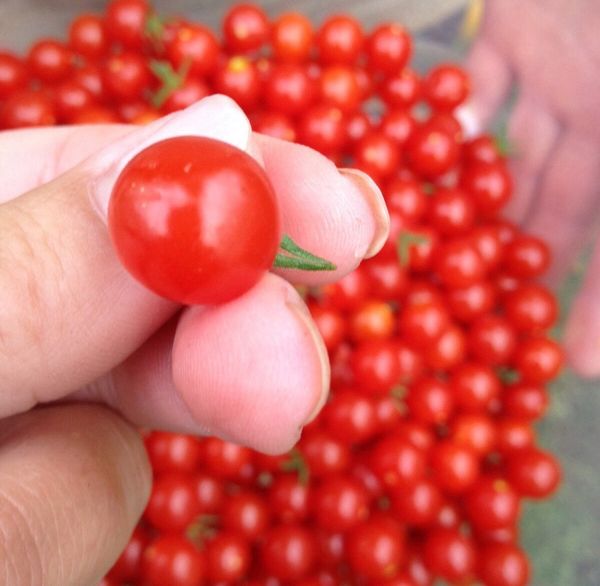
13 74
88 36
171 560
389 48
125 22
503 564
49 60
450 555
195 220
288 552
375 548
27 108
340 40
445 87
291 38
245 28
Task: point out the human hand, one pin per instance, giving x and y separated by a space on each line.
552 50
76 328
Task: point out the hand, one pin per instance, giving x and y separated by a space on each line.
552 50
76 328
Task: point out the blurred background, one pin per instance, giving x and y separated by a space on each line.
562 536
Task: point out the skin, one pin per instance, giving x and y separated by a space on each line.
78 330
555 131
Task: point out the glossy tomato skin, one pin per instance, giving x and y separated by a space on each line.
13 74
245 28
171 560
340 40
27 108
195 220
125 21
88 36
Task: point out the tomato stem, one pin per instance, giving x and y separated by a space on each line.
405 242
169 78
299 258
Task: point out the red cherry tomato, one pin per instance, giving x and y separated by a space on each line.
195 220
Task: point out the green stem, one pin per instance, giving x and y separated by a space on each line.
299 258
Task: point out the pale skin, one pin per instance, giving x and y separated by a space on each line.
75 327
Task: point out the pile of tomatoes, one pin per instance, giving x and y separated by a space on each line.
418 465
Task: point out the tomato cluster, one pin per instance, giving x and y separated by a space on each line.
418 465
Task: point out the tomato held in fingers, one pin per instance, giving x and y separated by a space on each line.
195 220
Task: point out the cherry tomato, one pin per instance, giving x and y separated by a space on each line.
172 452
322 127
539 360
455 466
27 108
398 125
245 28
323 453
492 503
449 555
288 499
489 184
173 505
432 150
126 76
401 90
533 472
288 552
389 48
340 503
350 416
274 124
125 22
397 462
228 557
171 560
246 513
527 257
340 40
417 504
239 79
193 46
13 74
375 548
49 60
289 89
445 87
430 401
128 565
291 38
375 366
531 307
179 238
338 87
503 564
475 387
88 36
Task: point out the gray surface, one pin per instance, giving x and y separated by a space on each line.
22 21
563 536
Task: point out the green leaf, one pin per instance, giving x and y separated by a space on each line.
299 258
405 241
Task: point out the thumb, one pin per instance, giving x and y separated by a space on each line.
68 311
73 482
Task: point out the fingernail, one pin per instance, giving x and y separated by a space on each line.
374 198
216 117
301 312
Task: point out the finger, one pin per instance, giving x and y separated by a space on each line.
567 204
252 371
582 333
69 312
533 131
491 79
49 151
73 482
340 217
